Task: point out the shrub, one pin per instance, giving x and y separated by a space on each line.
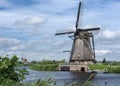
9 72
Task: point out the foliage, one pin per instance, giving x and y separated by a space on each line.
113 63
46 65
9 72
51 62
88 83
104 61
106 68
115 69
97 66
46 82
22 64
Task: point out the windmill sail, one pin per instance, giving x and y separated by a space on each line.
78 15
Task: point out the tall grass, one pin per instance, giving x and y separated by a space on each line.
44 67
113 69
106 68
97 66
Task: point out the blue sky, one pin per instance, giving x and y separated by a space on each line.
28 27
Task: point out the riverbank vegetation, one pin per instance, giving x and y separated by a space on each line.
11 75
46 65
105 68
52 65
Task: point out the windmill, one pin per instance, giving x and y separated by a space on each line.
83 49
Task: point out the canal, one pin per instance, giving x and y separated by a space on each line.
67 77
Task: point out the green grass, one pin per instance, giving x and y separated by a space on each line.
108 68
114 69
44 67
98 67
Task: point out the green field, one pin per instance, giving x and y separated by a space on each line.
106 68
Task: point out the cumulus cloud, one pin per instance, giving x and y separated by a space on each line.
17 47
8 41
29 22
61 44
102 52
109 34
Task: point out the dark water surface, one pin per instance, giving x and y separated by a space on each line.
107 79
67 77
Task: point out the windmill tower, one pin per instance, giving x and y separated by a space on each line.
83 50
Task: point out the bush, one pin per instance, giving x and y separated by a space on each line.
9 73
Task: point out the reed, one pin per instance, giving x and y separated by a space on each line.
44 67
106 68
98 67
115 69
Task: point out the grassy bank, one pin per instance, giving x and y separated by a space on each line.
98 67
49 65
114 69
44 67
107 68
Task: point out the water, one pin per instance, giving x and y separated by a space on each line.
63 77
107 79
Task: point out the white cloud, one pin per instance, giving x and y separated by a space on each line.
102 52
30 22
17 47
109 34
34 20
6 41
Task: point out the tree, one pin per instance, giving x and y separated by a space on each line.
9 70
104 61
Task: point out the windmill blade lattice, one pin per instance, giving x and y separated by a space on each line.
78 15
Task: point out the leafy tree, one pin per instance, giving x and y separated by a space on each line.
9 70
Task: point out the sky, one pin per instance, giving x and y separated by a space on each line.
28 27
